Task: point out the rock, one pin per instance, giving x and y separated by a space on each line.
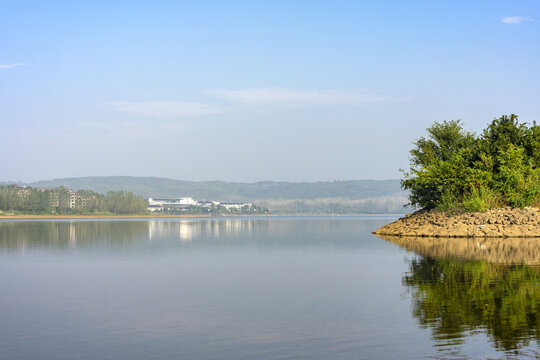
503 222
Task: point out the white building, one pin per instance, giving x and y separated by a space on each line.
159 204
237 206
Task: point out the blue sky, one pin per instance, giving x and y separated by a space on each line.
249 91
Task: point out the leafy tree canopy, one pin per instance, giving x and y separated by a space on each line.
58 200
454 170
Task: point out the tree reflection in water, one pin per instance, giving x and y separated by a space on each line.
455 298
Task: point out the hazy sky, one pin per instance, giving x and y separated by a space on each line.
253 90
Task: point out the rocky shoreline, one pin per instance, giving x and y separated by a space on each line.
502 222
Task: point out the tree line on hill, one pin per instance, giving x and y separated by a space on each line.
342 206
64 201
455 170
231 191
324 197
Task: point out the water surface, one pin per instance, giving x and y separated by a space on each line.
264 288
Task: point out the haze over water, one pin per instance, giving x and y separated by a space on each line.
265 288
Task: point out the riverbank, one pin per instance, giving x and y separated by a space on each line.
93 216
12 217
502 222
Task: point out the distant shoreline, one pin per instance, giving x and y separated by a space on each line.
98 217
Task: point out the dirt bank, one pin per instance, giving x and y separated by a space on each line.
503 222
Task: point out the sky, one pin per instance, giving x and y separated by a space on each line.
253 90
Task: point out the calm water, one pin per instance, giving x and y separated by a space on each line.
264 288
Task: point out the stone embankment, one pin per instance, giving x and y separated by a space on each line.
502 222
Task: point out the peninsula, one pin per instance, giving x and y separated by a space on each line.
473 186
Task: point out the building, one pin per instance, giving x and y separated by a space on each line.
78 200
69 199
208 204
184 204
237 206
180 203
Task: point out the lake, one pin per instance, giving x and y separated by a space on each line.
257 288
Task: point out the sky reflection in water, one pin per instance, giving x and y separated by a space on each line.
251 288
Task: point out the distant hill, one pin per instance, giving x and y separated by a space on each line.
293 197
230 191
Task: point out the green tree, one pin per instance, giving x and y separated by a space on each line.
454 170
517 179
440 165
122 202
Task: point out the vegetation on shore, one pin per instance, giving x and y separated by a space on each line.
454 170
292 198
27 200
231 191
60 201
212 210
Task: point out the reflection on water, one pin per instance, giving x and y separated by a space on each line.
266 288
185 233
456 298
493 250
460 286
60 234
188 230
